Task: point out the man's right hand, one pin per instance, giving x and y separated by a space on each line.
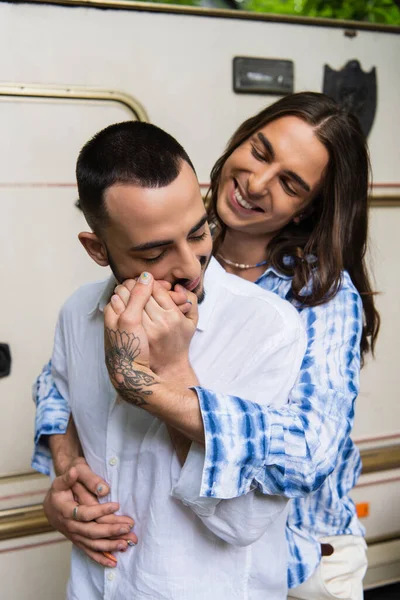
97 529
169 333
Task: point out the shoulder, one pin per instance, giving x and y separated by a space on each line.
85 299
264 306
346 300
338 319
347 289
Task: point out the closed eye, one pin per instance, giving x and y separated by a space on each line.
155 258
287 188
193 238
198 238
257 154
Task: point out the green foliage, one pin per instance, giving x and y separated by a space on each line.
180 2
373 11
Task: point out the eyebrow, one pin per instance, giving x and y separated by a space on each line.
160 243
268 146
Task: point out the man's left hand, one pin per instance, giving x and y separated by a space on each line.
126 344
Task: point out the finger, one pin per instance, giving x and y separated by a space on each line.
91 481
97 556
91 513
65 482
129 284
110 317
124 293
165 284
147 323
96 531
185 308
162 297
114 519
153 310
83 496
192 300
139 297
179 298
131 538
103 545
117 304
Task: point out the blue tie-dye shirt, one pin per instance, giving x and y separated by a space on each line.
302 450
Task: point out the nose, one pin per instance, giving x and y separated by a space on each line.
187 264
259 181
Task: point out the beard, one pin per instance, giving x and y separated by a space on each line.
114 269
199 291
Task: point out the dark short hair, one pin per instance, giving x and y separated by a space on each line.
131 152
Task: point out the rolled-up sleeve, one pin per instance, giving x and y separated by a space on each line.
52 408
291 450
240 521
244 519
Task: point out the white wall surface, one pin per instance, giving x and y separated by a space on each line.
180 68
42 261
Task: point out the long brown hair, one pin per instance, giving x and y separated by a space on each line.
334 226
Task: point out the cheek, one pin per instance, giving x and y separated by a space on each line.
159 271
283 206
206 248
128 267
223 200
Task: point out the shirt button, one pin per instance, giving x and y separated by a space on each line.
111 576
113 461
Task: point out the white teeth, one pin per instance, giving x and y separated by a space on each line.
241 200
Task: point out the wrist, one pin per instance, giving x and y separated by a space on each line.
179 372
63 463
138 388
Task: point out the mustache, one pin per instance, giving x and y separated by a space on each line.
203 260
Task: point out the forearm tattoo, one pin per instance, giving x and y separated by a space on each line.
121 350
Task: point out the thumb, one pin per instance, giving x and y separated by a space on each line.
140 295
92 482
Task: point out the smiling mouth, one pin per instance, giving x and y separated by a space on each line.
244 203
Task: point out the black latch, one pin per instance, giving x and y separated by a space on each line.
5 360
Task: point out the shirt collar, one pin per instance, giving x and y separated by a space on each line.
287 261
212 283
104 296
275 272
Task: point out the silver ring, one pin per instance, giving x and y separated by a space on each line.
75 513
189 302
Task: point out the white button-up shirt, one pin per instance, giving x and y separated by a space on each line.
249 343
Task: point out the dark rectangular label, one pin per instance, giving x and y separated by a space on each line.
262 76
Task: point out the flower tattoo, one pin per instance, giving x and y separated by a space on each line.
130 381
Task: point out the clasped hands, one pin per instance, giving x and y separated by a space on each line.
148 329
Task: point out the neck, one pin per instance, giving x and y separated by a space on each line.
244 248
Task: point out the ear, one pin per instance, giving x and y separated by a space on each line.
305 213
94 247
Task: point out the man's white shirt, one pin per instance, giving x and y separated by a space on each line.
249 343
